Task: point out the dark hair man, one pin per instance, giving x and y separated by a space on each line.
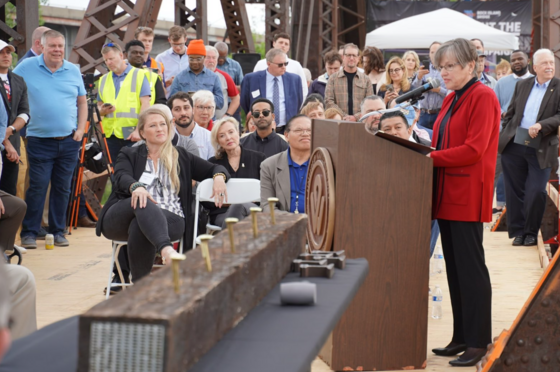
134 53
264 139
333 61
396 124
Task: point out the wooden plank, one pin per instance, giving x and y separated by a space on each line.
543 256
552 194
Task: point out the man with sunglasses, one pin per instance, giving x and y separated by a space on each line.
264 139
275 84
197 77
283 41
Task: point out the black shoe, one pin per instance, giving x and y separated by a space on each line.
497 211
116 279
469 358
450 350
518 240
530 240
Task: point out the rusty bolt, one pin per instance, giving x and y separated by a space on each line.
525 359
538 340
545 303
532 323
545 359
508 361
520 343
549 319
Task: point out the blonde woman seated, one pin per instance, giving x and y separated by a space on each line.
239 162
151 202
334 113
313 110
397 81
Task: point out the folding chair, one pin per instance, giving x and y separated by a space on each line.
239 191
117 245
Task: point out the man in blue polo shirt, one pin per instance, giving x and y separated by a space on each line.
57 101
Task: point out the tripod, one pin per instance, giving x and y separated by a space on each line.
93 134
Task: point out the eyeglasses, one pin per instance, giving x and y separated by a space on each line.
448 67
280 64
395 71
351 55
177 44
205 108
299 132
257 114
197 59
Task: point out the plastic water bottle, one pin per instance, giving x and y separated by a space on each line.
437 265
437 298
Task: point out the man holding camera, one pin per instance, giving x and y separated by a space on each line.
120 111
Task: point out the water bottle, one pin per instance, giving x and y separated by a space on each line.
49 241
436 303
437 265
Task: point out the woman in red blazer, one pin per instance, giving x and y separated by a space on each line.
466 141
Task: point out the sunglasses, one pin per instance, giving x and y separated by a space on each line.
257 114
280 64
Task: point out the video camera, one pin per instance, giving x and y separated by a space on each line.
89 81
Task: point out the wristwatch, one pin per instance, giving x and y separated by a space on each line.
13 129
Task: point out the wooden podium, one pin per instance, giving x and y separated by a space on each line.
377 200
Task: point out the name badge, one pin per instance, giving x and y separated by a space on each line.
147 178
256 93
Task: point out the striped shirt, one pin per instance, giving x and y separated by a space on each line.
162 189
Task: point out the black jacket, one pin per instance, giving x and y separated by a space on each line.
19 104
131 163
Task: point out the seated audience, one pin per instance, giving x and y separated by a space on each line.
284 175
238 161
313 110
334 113
181 106
412 63
264 139
503 69
204 108
396 124
412 114
372 104
397 81
314 97
333 62
151 202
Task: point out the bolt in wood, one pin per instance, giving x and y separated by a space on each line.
230 222
272 203
204 250
254 212
176 258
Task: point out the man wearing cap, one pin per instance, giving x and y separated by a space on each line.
123 93
197 77
57 102
487 80
14 94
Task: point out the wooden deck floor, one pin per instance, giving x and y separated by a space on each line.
71 279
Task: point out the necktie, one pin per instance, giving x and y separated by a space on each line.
276 100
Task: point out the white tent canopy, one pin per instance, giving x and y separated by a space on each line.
418 32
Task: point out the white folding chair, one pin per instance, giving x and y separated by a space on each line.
239 191
117 245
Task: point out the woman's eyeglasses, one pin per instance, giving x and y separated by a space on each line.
395 71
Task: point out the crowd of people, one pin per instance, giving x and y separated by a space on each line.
174 120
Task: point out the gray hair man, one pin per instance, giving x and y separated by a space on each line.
228 86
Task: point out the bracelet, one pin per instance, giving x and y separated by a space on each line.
219 174
136 185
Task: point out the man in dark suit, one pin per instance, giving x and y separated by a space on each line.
282 88
535 106
14 94
37 47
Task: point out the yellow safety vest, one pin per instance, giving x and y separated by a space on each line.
127 103
152 79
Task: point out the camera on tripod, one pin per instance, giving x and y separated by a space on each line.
89 81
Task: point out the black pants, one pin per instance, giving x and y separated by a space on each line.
469 282
147 231
9 177
280 130
11 220
239 211
525 184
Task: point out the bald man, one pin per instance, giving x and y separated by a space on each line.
231 67
37 48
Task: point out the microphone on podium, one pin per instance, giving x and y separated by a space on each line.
416 93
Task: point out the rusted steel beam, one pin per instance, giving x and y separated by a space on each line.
238 27
150 325
277 19
196 18
26 21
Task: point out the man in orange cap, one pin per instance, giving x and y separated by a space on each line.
197 77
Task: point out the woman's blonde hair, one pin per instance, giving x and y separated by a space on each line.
416 59
332 112
405 84
311 106
168 155
504 65
214 134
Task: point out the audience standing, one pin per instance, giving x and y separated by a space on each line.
348 87
333 61
123 93
134 52
397 82
233 68
228 86
174 59
485 79
535 106
264 139
374 67
53 137
14 95
282 42
37 47
277 85
503 69
146 36
412 63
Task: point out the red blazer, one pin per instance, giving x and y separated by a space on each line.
466 163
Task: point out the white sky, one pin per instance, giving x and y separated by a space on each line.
215 17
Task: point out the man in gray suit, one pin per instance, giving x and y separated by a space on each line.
284 175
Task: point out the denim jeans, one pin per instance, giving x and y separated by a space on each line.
51 161
427 121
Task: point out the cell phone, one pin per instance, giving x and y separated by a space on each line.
426 64
155 70
107 105
390 88
127 131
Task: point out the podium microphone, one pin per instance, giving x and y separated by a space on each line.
416 93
